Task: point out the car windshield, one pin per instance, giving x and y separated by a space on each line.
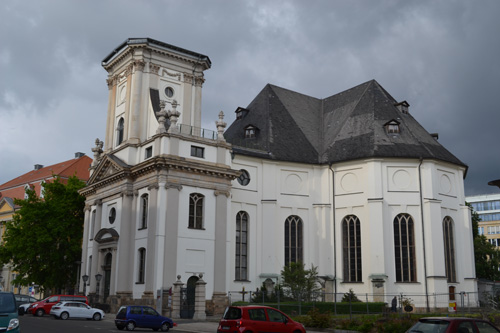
430 326
7 303
232 313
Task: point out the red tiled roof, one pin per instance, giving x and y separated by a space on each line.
77 166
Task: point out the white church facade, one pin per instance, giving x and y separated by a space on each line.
351 184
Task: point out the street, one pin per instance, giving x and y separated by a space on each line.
47 324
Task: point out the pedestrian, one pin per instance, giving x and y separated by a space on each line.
394 304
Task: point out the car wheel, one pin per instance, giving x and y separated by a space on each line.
96 316
130 326
164 327
64 316
39 313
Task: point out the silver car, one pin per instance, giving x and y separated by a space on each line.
65 310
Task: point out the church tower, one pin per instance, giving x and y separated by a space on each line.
158 197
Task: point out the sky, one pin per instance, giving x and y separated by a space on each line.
442 57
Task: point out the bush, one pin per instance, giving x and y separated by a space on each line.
350 297
318 319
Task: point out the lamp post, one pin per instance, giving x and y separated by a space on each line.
98 278
85 279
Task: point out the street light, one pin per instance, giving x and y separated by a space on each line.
98 278
85 279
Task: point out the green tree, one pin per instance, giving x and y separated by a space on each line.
43 241
300 282
487 257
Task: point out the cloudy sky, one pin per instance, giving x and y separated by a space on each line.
443 57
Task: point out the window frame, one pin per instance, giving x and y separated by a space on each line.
141 265
241 248
449 250
294 239
404 249
196 211
351 245
197 151
120 129
144 202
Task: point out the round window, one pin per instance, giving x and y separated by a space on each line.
169 91
244 178
112 215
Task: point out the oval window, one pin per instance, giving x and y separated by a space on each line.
112 215
244 178
169 91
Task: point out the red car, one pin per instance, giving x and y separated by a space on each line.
253 319
453 325
44 306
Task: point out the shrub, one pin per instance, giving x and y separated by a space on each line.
318 319
350 297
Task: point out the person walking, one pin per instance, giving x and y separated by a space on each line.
394 304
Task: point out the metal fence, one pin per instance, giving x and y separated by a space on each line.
198 132
347 304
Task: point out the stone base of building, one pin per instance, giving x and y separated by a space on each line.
218 303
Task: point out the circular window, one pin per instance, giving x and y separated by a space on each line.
244 178
169 91
112 215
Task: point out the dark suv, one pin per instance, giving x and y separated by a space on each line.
257 319
133 316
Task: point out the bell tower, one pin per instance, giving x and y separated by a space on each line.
141 73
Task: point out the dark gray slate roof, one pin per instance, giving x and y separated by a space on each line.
346 126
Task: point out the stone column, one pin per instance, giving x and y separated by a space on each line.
86 225
135 112
125 262
151 247
111 112
200 300
220 267
171 233
176 298
95 247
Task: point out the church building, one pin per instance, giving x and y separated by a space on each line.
351 184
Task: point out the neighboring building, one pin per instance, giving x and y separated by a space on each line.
16 189
351 184
487 207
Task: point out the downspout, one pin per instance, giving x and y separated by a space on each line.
334 241
423 233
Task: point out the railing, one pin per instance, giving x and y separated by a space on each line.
198 132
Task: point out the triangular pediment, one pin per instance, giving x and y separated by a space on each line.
6 205
108 167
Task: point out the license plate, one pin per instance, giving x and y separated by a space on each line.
225 327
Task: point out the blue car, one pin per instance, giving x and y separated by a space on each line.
133 316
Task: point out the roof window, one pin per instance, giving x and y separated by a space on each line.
240 112
403 107
392 127
250 131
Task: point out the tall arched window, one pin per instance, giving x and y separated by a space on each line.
119 131
196 210
141 271
293 239
144 211
449 249
404 249
241 246
351 243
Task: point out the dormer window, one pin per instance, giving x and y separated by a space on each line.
250 132
240 113
403 107
392 127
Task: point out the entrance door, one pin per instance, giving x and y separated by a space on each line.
188 298
107 275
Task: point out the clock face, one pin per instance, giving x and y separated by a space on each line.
169 91
244 178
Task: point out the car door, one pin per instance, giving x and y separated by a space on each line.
135 314
277 321
151 318
84 310
257 320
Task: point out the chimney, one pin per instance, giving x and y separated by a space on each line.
435 136
78 155
403 107
38 166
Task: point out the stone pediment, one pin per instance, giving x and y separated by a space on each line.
108 168
106 236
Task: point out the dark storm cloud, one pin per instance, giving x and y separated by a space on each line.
440 56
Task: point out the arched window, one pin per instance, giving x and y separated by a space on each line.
351 243
241 246
119 131
144 211
293 239
404 249
142 265
196 210
449 249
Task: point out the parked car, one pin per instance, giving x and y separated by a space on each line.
133 316
65 310
9 320
253 318
43 307
23 302
453 325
